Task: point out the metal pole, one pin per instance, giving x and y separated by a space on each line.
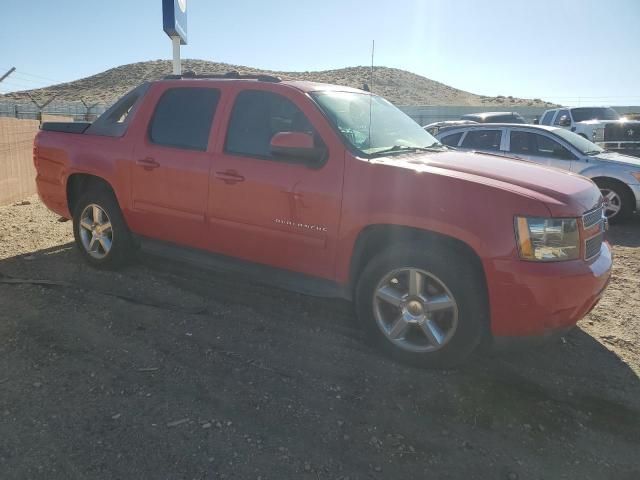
11 70
177 67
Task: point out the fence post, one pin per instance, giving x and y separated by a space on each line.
15 109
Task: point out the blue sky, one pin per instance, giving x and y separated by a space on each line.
570 51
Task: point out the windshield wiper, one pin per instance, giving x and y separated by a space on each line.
436 147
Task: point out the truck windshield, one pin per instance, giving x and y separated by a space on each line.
584 114
372 125
579 142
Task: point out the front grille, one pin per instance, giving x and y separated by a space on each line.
592 246
622 132
592 218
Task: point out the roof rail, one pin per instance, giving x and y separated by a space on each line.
232 75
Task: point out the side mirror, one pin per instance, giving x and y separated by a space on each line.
565 121
297 147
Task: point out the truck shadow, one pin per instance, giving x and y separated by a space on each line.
561 387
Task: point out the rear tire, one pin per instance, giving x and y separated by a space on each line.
437 321
99 229
619 201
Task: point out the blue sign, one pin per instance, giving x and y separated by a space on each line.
174 19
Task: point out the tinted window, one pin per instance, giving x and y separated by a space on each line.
605 113
526 143
507 118
257 116
452 140
483 139
183 118
546 120
561 113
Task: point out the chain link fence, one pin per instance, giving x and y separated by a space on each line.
77 111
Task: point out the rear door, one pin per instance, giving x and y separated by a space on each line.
267 210
540 148
170 171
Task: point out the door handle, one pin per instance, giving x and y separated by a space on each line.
230 177
147 163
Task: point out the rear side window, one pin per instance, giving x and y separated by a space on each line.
183 118
546 120
452 140
114 122
483 140
257 116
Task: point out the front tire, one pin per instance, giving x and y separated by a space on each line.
100 231
424 307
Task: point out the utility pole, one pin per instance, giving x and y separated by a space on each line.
11 70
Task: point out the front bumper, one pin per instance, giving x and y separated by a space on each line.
540 299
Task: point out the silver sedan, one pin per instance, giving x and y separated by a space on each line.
617 175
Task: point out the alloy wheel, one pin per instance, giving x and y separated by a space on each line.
95 231
612 202
415 310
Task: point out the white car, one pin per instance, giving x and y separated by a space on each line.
617 175
602 125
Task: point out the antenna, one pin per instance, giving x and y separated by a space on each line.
373 49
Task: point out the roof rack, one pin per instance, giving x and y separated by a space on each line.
230 75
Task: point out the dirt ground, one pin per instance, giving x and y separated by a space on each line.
161 372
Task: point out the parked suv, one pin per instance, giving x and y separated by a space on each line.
617 176
602 125
332 191
494 117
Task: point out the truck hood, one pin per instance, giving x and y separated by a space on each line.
619 159
565 194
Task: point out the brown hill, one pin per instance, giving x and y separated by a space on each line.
399 86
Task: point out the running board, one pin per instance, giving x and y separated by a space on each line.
277 277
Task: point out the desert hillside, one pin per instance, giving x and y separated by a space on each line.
399 86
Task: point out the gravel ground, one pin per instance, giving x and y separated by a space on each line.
164 372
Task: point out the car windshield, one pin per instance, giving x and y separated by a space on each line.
372 125
579 142
584 114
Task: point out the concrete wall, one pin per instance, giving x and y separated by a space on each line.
17 173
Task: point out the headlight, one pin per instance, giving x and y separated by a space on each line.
547 239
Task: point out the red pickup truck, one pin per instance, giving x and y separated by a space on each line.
332 191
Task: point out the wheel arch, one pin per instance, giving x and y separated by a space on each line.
598 180
77 183
375 238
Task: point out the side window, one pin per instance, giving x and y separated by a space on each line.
483 140
522 143
561 113
547 147
546 120
452 140
114 122
257 116
183 118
